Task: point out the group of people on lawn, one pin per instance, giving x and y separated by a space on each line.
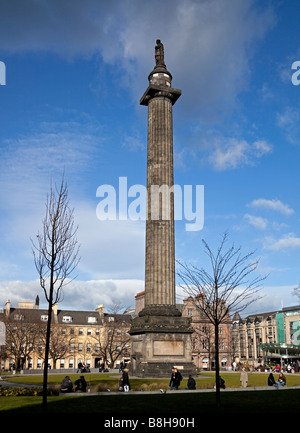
175 380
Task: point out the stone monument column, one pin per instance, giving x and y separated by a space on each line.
161 338
160 242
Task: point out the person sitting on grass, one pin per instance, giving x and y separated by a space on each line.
271 380
191 383
281 381
80 384
66 385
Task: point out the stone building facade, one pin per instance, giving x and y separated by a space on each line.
88 337
272 336
203 338
94 337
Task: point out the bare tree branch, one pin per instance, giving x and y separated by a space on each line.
224 289
55 256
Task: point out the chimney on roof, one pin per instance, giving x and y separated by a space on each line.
54 309
100 309
7 307
139 302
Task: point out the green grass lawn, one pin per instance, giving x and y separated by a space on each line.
102 381
271 401
275 402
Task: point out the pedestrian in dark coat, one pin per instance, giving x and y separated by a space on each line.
175 378
271 380
125 378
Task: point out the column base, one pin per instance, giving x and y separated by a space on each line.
159 343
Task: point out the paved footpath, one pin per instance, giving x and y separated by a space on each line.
9 384
180 391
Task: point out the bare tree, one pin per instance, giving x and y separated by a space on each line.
55 257
296 291
225 289
59 343
22 336
113 341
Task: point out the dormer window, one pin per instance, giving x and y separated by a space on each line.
67 319
92 319
44 317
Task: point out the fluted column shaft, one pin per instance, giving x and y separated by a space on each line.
160 249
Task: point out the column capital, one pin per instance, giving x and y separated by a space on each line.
160 91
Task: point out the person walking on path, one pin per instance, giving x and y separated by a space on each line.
175 379
244 378
126 380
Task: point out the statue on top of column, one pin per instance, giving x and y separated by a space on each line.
159 54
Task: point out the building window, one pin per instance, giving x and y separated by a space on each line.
67 319
223 362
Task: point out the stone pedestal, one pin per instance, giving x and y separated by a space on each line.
159 343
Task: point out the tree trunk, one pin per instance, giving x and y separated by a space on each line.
45 377
218 396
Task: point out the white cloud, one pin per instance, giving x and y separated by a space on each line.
275 205
133 143
257 222
77 295
274 298
289 120
111 248
233 153
209 37
29 162
289 241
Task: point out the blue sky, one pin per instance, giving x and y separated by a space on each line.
75 72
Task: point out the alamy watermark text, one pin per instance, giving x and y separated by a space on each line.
131 203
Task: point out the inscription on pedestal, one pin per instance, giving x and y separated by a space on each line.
165 348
